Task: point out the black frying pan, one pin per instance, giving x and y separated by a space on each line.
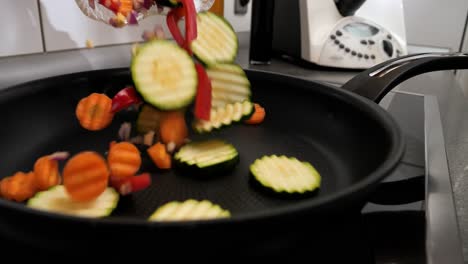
351 141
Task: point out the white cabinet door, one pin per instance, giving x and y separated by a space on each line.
435 23
20 28
66 27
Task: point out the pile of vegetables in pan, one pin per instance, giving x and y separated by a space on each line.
195 75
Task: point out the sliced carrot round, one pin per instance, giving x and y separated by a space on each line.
94 111
126 6
4 187
46 173
173 128
124 160
85 176
258 116
18 187
159 155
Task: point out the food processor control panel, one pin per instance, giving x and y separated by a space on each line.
358 43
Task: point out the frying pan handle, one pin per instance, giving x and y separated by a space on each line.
376 82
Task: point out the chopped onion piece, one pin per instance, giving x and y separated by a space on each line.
124 131
148 138
170 147
132 18
60 155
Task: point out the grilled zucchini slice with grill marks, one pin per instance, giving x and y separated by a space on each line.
207 157
57 200
225 116
287 175
229 84
216 40
187 210
164 75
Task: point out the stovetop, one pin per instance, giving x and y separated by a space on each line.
424 231
397 232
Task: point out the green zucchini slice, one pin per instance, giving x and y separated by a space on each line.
225 116
283 174
188 210
57 200
164 75
229 84
216 40
207 157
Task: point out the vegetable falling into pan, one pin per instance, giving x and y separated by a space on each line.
121 13
194 77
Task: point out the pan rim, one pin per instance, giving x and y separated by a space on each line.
372 109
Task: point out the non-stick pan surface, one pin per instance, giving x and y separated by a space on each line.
350 140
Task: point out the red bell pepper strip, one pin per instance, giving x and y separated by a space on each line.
132 184
190 23
188 10
203 98
125 98
172 18
112 5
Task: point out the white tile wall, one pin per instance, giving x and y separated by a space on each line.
20 28
66 27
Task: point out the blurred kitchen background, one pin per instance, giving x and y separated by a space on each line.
46 28
37 26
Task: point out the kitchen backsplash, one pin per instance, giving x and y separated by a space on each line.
20 28
36 26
